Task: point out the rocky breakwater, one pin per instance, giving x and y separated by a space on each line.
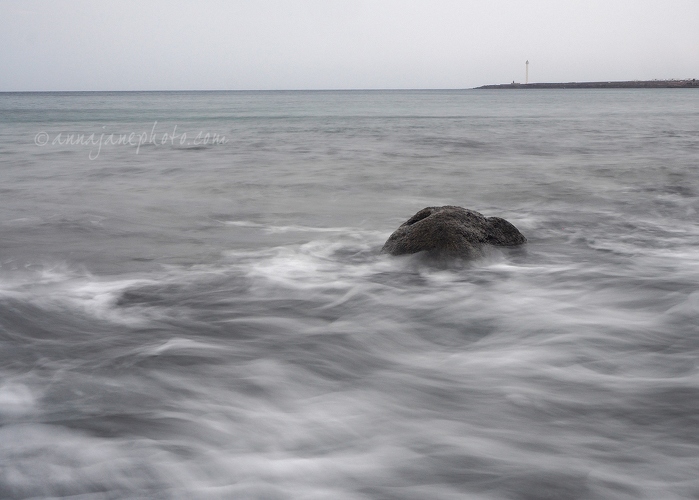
451 231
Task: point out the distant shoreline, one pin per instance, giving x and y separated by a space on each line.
636 84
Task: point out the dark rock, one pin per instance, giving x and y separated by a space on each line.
451 232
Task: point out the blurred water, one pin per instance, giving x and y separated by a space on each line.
205 320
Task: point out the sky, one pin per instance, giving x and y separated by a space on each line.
340 44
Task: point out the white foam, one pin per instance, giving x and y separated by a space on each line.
58 287
16 400
178 344
272 229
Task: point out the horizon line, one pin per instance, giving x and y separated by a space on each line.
335 89
241 90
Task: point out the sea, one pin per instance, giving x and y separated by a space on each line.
194 302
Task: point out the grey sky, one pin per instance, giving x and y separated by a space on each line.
339 44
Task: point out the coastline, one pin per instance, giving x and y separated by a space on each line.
636 84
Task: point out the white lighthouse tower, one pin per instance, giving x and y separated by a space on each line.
526 72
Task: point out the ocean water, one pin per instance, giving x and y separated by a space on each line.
193 303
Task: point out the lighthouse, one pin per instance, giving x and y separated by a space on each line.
526 72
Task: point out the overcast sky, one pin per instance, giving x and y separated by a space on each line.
340 44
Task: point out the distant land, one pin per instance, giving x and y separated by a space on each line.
635 84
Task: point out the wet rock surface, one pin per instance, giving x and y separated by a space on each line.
451 231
